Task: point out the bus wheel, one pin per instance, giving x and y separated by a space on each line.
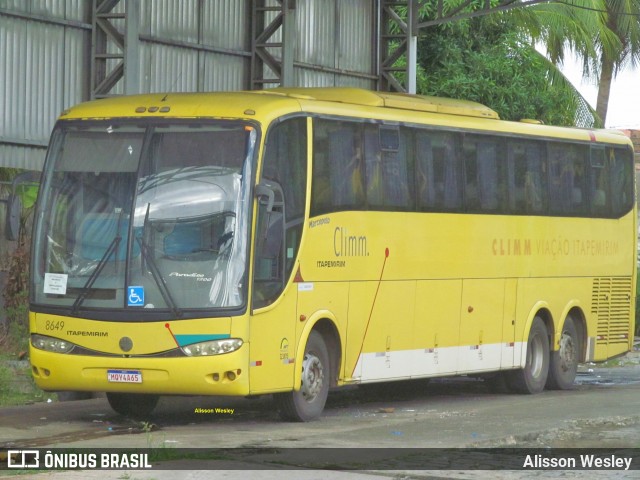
533 377
135 405
564 361
307 403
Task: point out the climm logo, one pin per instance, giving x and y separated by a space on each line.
346 245
511 246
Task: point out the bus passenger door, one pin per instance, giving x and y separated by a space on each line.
281 196
272 327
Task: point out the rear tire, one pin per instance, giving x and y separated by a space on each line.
307 403
134 405
564 361
533 377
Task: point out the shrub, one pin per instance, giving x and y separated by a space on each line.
16 299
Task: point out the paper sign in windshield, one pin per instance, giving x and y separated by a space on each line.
55 283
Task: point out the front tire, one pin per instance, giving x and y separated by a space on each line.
134 405
564 361
308 402
533 377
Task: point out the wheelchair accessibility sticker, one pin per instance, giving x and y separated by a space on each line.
135 296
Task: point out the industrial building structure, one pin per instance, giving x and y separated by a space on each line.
56 53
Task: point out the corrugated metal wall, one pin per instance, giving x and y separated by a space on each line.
194 45
43 65
185 45
334 40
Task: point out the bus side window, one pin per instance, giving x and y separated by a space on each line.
527 177
425 178
321 189
338 167
515 175
566 178
385 155
373 167
449 161
471 193
394 168
621 173
438 171
491 175
599 182
347 169
579 191
484 179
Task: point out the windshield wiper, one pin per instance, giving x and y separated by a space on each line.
111 250
155 271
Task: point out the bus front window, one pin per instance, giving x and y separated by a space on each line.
151 216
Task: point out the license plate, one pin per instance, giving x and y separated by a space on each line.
124 376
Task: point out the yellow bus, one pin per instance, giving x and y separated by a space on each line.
288 241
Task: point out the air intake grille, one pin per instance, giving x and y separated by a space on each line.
611 304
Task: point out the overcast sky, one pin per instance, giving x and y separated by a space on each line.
624 102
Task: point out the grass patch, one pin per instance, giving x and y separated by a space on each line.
16 383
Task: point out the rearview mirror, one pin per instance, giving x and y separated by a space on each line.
271 224
263 190
12 220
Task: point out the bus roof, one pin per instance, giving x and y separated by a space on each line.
184 105
404 101
166 103
267 105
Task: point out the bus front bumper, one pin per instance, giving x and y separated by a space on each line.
225 374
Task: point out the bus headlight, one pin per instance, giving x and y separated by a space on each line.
213 347
50 344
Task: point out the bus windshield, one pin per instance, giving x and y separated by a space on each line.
150 216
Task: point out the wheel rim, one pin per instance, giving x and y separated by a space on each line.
536 357
567 353
312 377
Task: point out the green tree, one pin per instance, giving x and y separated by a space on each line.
491 61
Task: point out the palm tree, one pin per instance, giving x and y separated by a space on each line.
604 34
623 19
